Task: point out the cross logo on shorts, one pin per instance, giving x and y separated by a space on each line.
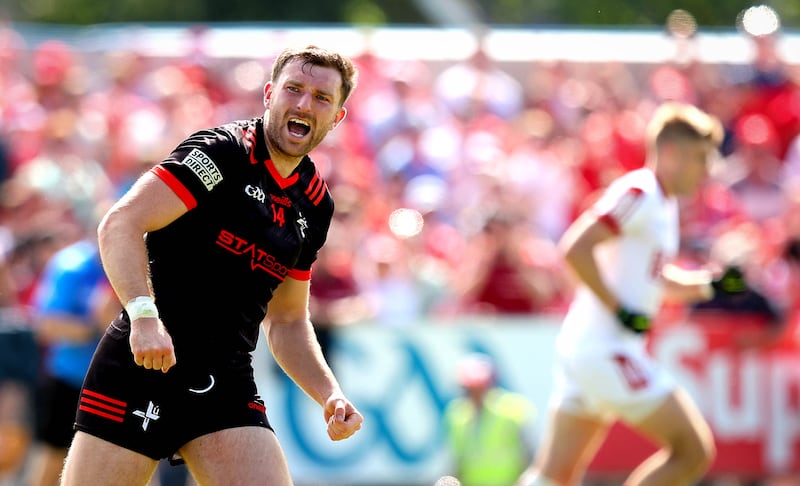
150 414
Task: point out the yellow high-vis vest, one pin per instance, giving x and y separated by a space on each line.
488 447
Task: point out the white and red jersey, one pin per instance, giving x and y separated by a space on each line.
646 222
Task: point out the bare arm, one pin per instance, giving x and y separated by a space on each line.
685 286
149 205
63 328
293 343
578 244
295 347
104 307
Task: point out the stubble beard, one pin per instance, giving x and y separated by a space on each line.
276 140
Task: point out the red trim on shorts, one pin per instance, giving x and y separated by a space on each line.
300 274
103 397
177 186
115 418
257 406
111 412
89 401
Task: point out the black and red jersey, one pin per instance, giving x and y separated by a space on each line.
214 269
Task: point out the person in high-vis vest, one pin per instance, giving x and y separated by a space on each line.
488 427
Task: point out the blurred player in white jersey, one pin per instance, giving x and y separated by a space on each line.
619 250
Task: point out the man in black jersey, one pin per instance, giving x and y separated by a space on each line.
213 241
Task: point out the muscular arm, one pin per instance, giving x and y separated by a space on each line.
295 347
293 343
578 244
149 205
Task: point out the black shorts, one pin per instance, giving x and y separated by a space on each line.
155 413
56 402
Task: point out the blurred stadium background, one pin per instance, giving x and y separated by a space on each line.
479 128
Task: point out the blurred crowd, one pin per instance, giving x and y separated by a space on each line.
452 182
449 179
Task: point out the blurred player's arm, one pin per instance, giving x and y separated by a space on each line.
578 244
61 326
684 285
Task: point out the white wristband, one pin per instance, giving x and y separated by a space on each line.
142 306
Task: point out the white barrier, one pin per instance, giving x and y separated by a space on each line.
401 380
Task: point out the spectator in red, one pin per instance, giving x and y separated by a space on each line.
770 89
507 270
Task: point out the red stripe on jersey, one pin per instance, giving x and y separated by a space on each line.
103 397
115 418
316 189
177 186
313 184
609 221
321 196
303 275
622 209
316 194
89 401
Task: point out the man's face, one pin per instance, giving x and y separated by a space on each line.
303 107
691 166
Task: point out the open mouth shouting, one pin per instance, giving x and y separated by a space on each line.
298 128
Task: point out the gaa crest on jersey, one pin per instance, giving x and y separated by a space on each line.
203 167
255 192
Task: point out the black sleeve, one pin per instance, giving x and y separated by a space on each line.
200 165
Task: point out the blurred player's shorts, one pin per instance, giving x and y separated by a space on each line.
19 351
19 364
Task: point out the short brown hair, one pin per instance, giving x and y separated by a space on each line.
318 56
680 121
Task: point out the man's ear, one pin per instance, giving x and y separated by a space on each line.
339 117
267 93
